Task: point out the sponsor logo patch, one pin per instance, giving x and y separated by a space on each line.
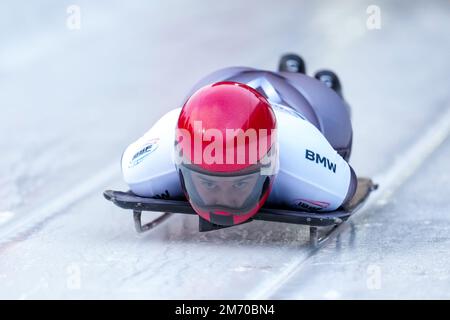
311 205
146 150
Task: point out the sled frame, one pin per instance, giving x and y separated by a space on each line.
127 200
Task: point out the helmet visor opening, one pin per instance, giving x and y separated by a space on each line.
236 194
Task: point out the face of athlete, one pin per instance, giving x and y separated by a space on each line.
224 191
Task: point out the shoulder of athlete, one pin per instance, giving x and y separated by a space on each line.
300 138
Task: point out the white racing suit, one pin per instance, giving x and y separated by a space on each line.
314 137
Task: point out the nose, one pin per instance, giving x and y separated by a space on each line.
225 198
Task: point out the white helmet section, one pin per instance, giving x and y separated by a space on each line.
147 164
312 174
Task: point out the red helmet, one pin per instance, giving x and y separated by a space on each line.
226 153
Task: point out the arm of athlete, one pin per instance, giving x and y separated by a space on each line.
312 174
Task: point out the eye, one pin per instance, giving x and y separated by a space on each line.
208 185
240 184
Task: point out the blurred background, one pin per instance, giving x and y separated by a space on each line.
80 80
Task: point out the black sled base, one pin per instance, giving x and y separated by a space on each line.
127 200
